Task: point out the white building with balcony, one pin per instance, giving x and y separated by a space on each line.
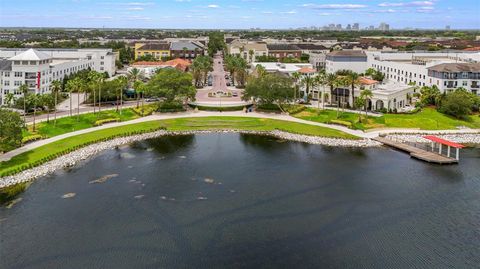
38 68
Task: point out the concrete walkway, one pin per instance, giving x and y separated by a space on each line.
368 135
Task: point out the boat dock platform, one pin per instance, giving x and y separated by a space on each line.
418 153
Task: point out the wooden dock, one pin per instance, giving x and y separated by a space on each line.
417 153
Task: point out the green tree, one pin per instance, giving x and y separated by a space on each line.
216 42
366 95
269 89
133 76
48 101
9 99
352 78
24 89
10 130
457 103
171 84
55 87
33 99
430 95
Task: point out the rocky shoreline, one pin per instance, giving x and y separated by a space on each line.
465 138
77 156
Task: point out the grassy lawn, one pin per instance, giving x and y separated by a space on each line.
427 119
70 124
43 153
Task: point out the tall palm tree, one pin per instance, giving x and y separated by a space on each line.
101 80
353 80
123 83
33 99
332 80
320 81
24 89
55 87
296 78
93 78
137 85
307 81
366 95
79 83
71 87
230 62
133 76
185 49
250 55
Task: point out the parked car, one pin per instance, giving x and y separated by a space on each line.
234 94
228 83
209 83
149 100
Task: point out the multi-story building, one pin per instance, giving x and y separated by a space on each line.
186 50
354 60
281 51
158 50
37 68
316 52
250 51
447 70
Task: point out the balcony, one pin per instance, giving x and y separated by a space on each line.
475 86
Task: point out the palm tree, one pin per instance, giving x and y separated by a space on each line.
137 85
366 95
307 81
133 76
55 87
332 80
71 87
185 49
230 62
93 78
250 55
196 70
101 79
353 80
9 98
320 80
24 89
123 83
80 88
33 98
296 78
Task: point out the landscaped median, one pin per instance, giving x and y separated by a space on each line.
55 149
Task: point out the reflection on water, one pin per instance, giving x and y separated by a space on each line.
244 201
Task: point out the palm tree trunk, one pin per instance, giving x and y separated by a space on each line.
71 103
121 101
94 100
138 99
55 110
78 106
25 110
99 100
34 114
323 98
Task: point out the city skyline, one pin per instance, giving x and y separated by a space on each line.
240 14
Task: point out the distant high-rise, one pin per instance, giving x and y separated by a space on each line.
356 26
447 27
384 27
349 27
339 27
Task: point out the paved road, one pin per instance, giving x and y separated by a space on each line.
7 156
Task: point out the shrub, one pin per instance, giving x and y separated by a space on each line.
102 122
341 122
145 110
212 108
170 107
31 138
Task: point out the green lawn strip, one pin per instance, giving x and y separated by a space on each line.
429 119
426 119
53 150
71 124
254 124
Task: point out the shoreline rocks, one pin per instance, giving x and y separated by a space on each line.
73 158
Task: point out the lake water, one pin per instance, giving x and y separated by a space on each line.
245 201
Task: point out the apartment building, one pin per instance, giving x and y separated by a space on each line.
186 50
249 51
39 67
281 51
447 70
158 50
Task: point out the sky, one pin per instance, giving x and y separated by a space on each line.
238 14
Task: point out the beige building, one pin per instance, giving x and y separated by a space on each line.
248 50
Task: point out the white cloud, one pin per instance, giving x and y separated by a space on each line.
406 4
334 6
213 6
289 12
135 8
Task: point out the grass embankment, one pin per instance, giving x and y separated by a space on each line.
427 119
9 193
53 150
71 124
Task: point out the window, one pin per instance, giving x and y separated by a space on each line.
101 63
18 74
101 68
17 83
7 74
102 57
464 83
6 83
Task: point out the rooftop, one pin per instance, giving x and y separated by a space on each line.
456 67
183 44
31 55
155 46
282 47
348 53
